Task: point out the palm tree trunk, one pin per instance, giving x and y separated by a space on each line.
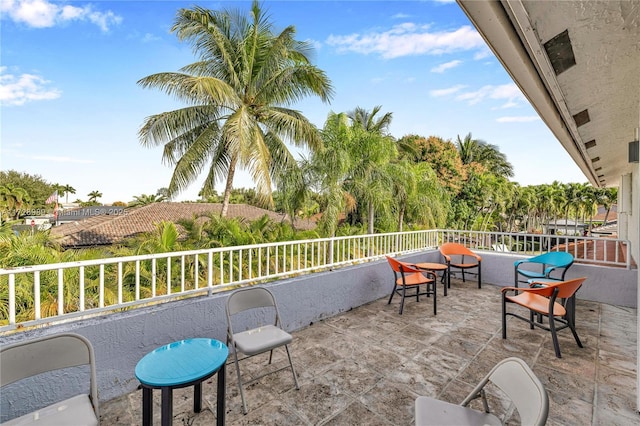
400 219
371 215
228 186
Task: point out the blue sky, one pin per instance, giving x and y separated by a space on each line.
71 109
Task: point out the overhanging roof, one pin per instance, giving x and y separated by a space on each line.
578 63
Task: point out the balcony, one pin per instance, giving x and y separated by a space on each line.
358 360
368 365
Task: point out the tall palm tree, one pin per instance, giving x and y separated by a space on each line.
368 120
67 189
371 150
329 168
238 94
488 155
609 198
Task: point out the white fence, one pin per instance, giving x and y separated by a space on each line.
45 294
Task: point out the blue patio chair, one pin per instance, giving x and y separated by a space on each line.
548 266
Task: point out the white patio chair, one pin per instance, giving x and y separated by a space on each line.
26 359
514 377
261 339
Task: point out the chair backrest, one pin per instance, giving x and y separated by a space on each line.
567 288
26 359
559 259
249 298
402 267
450 249
514 377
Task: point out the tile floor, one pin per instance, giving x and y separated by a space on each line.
367 366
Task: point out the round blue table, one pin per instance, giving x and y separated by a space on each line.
178 365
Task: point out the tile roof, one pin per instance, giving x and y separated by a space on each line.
114 228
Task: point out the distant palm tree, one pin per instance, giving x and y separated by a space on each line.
94 195
68 189
238 95
144 199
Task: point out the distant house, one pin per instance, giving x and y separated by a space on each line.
566 227
112 227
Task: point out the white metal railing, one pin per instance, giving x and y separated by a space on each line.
46 294
595 250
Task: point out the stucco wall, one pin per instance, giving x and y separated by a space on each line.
121 339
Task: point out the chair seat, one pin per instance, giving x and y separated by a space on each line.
261 339
431 411
414 279
537 303
542 280
531 274
464 265
73 411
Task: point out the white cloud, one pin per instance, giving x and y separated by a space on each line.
482 53
522 119
400 16
20 89
148 38
447 65
448 91
45 14
408 39
509 92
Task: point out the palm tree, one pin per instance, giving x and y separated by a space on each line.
329 168
368 121
94 195
371 150
238 95
13 199
609 198
486 154
67 189
417 195
144 199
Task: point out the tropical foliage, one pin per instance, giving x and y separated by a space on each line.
238 95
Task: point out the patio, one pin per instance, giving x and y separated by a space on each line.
368 365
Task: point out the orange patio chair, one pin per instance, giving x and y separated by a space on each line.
459 257
542 301
407 275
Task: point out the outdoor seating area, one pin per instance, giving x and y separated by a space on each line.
369 365
458 257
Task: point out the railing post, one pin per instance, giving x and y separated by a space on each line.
331 252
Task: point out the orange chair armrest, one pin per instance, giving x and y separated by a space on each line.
544 291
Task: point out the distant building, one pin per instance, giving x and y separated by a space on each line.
566 227
115 224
